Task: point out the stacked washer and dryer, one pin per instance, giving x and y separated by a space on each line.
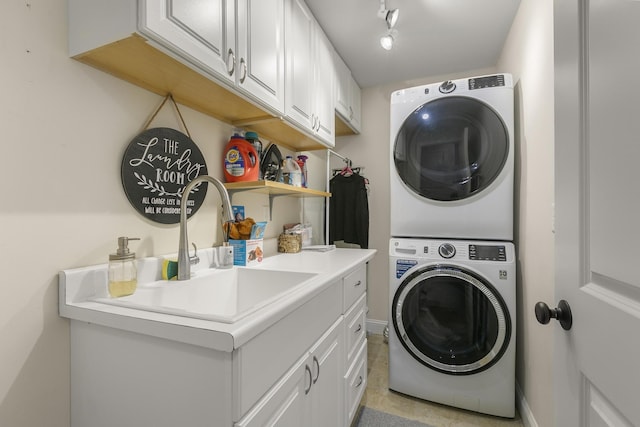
451 256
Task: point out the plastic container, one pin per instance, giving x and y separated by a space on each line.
292 172
252 138
240 162
123 272
302 162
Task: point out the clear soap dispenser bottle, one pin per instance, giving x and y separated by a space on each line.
123 273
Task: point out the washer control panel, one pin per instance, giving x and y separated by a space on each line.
426 250
487 253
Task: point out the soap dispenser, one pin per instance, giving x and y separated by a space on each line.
123 274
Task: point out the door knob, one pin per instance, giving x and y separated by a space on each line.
562 314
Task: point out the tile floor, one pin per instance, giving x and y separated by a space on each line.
379 397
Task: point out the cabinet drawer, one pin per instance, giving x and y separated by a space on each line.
258 364
356 382
355 284
355 324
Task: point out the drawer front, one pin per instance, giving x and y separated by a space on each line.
258 364
355 324
356 383
355 284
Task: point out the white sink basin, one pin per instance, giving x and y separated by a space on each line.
219 295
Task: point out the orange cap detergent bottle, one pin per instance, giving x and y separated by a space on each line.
240 162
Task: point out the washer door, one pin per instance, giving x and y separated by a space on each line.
451 148
451 320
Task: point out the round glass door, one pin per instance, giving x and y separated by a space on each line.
451 148
450 320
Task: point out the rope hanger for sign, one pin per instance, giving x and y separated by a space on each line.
155 113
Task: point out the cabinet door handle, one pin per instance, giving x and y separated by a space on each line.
308 369
358 283
358 329
231 62
359 381
243 70
315 362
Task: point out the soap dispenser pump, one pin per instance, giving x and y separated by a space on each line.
123 274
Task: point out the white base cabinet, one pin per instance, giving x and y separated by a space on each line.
310 394
306 369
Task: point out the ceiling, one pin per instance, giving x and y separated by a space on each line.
434 37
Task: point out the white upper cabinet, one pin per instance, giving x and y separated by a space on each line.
309 78
203 30
260 59
249 63
299 34
325 106
347 95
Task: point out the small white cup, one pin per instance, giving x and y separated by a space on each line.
224 256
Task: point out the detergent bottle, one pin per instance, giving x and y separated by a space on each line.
292 172
240 162
302 162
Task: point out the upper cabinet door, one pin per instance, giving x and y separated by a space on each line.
203 31
299 33
260 58
325 103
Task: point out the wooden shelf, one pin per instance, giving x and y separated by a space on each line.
274 189
136 61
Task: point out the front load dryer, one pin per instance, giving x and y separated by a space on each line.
452 323
452 155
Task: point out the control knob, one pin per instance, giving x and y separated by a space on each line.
447 87
447 250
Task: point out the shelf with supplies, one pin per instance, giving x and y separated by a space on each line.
274 189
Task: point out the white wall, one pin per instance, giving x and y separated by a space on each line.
528 55
64 129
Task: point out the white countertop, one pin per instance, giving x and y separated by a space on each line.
78 286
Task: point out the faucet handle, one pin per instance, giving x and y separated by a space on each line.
194 259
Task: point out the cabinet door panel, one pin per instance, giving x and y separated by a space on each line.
300 66
286 404
356 383
201 31
261 51
325 91
327 402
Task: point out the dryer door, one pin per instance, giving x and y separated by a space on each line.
451 148
451 320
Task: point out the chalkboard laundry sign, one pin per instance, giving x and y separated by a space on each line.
156 167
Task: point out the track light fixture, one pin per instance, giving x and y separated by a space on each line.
390 17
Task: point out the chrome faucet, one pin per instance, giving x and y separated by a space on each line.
184 260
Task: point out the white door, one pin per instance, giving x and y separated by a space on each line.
597 149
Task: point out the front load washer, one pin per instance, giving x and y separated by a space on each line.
452 323
452 155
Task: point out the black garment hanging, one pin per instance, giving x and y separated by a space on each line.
349 210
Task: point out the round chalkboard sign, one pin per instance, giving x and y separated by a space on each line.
156 167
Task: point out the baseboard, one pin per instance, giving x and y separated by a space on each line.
528 420
376 327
